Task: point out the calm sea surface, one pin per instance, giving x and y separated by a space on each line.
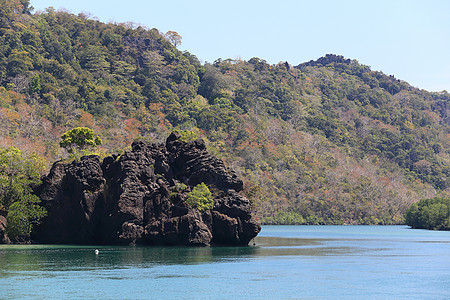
287 262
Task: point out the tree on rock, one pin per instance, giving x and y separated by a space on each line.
185 135
79 138
200 198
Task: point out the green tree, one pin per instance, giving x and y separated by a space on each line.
18 173
35 84
429 214
23 215
200 198
186 135
19 62
93 59
79 138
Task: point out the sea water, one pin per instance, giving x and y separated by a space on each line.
283 262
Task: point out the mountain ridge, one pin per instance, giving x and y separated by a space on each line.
327 141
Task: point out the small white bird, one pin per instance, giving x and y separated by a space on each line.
96 251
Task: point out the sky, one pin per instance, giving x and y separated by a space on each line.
409 39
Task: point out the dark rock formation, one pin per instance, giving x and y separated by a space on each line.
139 198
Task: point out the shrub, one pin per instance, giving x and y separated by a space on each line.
200 198
186 135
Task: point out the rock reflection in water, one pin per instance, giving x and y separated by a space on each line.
325 262
72 258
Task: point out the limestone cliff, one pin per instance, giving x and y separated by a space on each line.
136 199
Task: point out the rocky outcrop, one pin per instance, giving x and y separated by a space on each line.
139 198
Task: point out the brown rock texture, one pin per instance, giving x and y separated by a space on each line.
139 198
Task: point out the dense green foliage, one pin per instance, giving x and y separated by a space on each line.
18 173
186 135
79 137
200 198
328 141
429 214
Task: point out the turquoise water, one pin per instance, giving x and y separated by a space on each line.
287 262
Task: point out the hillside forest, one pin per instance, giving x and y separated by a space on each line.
328 141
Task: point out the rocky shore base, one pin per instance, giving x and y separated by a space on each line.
140 198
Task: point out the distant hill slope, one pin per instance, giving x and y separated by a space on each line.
327 141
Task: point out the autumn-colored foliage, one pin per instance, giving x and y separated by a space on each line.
328 141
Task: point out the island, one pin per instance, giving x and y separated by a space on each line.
153 194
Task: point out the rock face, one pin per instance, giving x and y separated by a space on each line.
139 198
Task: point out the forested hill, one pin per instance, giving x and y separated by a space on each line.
327 141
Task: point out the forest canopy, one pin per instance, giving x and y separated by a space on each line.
326 142
429 214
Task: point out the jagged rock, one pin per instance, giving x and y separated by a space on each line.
73 194
136 199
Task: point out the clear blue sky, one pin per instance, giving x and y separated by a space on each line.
409 39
